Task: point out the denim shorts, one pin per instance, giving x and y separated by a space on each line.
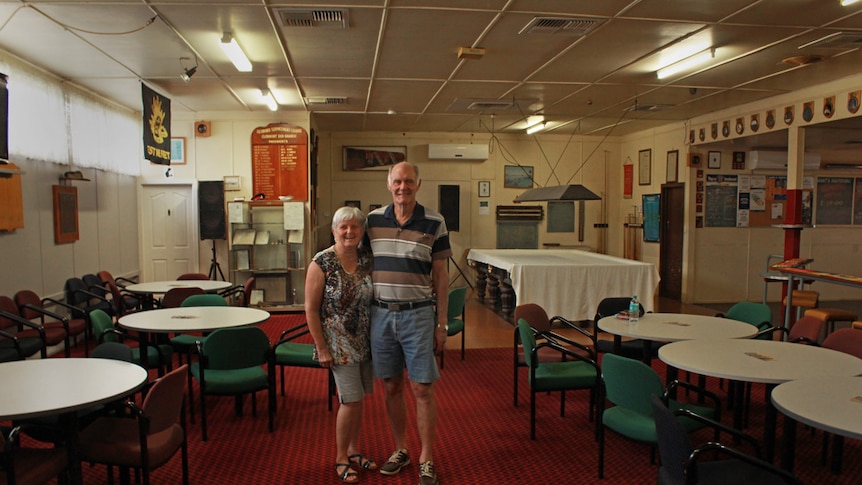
404 339
354 381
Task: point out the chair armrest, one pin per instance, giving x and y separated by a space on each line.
25 323
721 428
804 340
14 340
125 281
691 467
772 330
566 352
292 333
677 383
569 324
48 313
556 338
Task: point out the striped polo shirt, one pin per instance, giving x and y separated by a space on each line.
403 254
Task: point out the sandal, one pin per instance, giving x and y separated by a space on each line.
347 475
362 462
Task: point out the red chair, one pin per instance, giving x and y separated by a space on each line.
192 276
806 330
20 338
31 307
847 340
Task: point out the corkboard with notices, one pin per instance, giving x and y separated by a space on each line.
279 161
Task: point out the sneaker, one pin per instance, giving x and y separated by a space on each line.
427 475
395 463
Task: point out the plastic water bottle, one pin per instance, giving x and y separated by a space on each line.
634 309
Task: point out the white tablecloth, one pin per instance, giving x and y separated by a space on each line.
571 283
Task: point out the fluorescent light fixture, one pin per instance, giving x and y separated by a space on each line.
536 128
687 63
267 97
188 73
844 3
234 53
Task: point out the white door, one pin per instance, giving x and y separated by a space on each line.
168 232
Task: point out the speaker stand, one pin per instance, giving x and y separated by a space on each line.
214 266
460 274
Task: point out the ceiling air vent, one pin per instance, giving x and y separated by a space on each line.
648 107
489 105
560 25
304 17
318 100
837 40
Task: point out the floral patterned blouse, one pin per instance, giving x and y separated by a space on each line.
345 311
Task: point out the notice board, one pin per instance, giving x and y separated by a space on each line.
279 161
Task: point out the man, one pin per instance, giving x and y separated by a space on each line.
410 244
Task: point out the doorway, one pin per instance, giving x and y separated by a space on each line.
672 215
169 246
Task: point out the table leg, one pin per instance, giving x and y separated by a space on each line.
769 426
837 451
69 422
507 297
788 444
481 280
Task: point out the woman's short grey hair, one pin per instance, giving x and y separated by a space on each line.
348 213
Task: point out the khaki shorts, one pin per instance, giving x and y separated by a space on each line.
354 381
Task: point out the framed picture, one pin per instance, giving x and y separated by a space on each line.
484 188
714 160
373 158
232 182
645 167
353 203
242 259
372 207
517 177
178 151
672 165
65 214
256 298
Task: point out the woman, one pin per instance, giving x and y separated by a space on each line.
338 296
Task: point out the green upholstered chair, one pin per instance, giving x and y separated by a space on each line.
158 356
183 343
456 318
680 461
629 386
233 362
287 352
756 314
579 373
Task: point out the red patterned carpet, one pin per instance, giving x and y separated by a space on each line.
481 439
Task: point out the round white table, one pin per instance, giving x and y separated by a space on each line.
62 386
765 361
190 320
162 287
833 404
673 327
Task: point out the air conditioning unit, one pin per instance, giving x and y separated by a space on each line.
441 151
777 160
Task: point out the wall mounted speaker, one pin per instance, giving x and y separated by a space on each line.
203 128
211 207
450 206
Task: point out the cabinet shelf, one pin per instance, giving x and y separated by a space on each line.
261 246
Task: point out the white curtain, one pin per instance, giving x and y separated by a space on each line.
55 122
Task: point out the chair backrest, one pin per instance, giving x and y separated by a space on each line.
8 306
246 288
630 383
105 276
117 299
751 312
535 315
674 445
237 348
528 340
807 328
457 298
164 400
845 340
28 297
73 291
113 351
176 296
94 283
193 276
206 299
613 305
101 322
